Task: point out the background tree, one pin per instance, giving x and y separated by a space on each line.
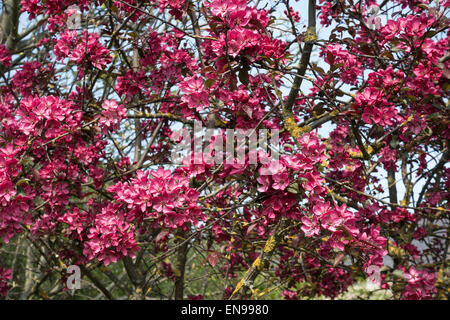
89 109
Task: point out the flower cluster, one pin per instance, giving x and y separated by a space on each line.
165 197
111 115
5 56
376 107
49 114
84 49
5 277
77 222
196 95
350 68
65 168
420 284
111 238
49 7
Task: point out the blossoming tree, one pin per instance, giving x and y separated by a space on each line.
92 92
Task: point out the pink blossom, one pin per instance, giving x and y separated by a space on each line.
222 7
112 114
5 56
272 168
321 208
310 226
5 277
280 181
196 96
420 284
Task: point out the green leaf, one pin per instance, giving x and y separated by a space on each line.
22 181
243 76
209 83
293 188
133 34
27 161
336 66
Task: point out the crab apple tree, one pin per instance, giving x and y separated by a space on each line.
94 94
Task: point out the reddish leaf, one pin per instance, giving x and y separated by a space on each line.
213 258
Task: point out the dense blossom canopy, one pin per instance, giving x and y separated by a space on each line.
88 114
